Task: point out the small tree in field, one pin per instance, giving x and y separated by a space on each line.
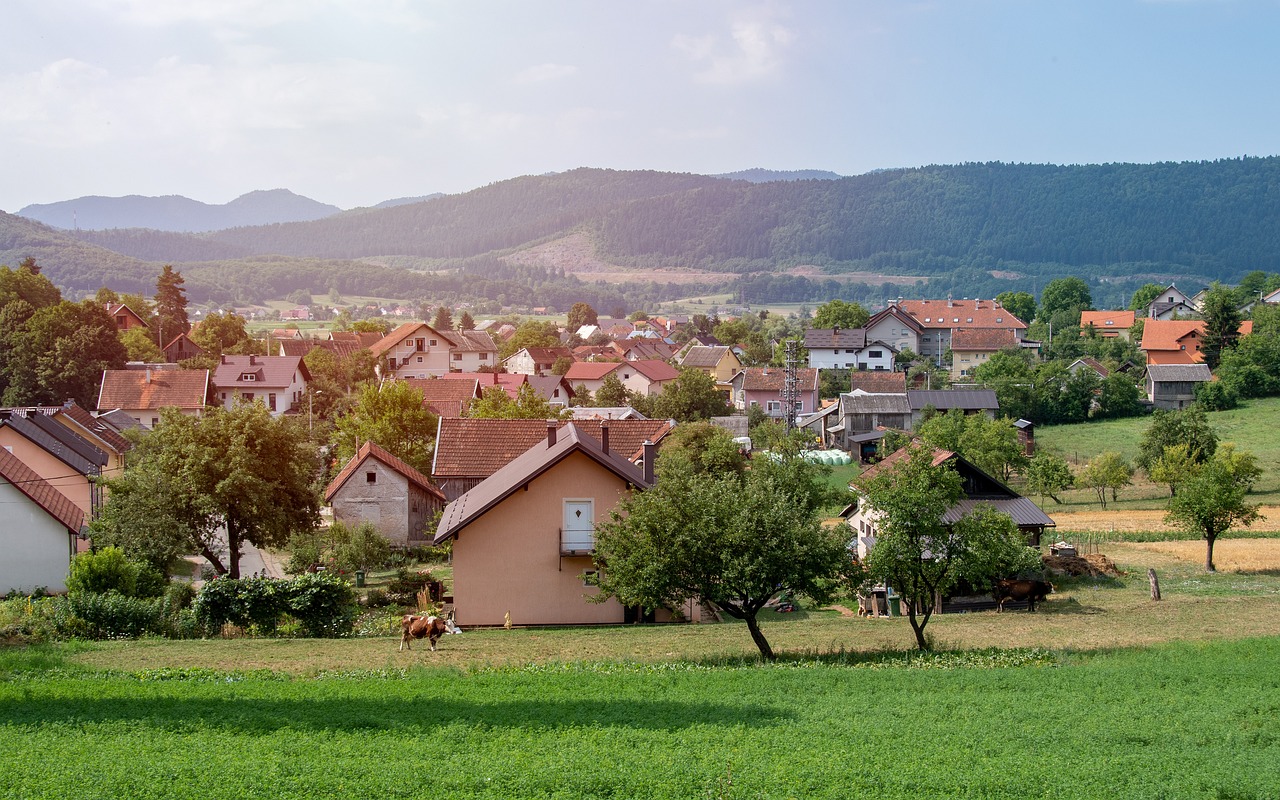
733 540
1107 472
1048 474
1212 500
923 557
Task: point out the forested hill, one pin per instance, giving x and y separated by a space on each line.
177 213
1205 219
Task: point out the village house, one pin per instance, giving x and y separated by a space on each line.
939 319
416 350
763 386
969 401
279 382
141 393
1173 386
1108 324
536 360
376 487
180 348
972 347
1171 303
523 539
470 450
899 330
124 317
40 533
67 462
719 362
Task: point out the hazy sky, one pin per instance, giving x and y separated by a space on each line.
352 103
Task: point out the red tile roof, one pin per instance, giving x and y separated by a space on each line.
480 447
405 331
55 503
370 450
655 370
447 398
590 370
1172 341
107 434
153 389
961 313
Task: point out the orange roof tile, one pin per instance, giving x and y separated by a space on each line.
446 398
982 339
153 389
1107 320
961 313
590 370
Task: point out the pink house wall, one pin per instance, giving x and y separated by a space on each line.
509 559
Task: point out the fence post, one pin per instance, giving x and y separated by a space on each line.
1155 584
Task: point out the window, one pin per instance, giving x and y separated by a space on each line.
926 319
457 356
248 377
415 505
371 477
224 395
419 359
875 354
484 356
773 406
955 319
247 397
271 401
155 421
626 376
434 342
590 577
555 393
968 319
1108 322
1001 319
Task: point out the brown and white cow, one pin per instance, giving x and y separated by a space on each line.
431 628
1020 590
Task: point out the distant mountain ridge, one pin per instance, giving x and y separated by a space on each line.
759 175
178 214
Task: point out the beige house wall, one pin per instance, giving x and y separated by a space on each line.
895 333
432 360
509 559
57 474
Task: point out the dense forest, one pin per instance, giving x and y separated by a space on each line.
967 230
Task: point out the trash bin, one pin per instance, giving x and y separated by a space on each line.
895 605
359 579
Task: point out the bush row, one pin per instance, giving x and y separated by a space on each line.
323 604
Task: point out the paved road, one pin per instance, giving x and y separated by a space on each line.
252 562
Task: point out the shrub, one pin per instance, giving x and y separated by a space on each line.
403 589
179 594
88 615
150 582
107 570
323 604
1216 396
361 547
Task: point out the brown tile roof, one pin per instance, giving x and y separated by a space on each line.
361 339
590 370
634 349
106 433
852 338
961 313
888 462
300 347
55 503
470 341
519 471
153 389
268 371
509 381
879 381
405 331
655 370
982 339
480 447
370 450
585 351
1108 320
115 309
772 379
446 398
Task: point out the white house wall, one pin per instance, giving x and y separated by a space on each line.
35 549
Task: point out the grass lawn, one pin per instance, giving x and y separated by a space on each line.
1251 426
1102 694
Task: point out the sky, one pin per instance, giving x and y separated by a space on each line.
356 102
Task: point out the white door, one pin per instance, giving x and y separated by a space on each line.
578 531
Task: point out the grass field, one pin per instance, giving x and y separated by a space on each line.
1103 694
1251 427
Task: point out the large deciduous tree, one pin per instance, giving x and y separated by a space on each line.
1063 299
220 333
1188 426
581 314
839 314
734 540
1021 304
921 556
392 416
495 403
59 352
1213 499
242 470
691 396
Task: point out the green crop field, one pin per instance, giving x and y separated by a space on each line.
1179 720
1102 693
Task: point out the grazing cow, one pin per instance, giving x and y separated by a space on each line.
413 626
1019 590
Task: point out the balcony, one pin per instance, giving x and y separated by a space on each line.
580 542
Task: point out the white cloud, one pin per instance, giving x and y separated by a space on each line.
753 50
692 134
545 72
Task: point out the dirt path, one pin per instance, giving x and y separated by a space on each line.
1152 520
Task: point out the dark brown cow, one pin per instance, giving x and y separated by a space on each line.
431 628
1019 590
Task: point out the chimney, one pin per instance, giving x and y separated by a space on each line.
222 358
604 435
252 359
650 455
835 332
148 375
551 433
